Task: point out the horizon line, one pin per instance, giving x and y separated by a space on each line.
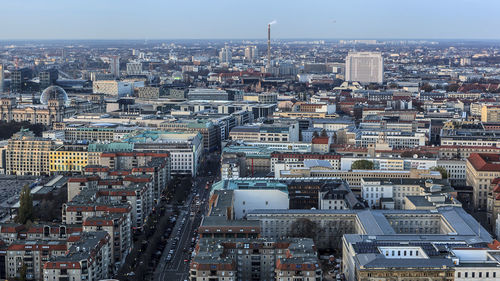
242 39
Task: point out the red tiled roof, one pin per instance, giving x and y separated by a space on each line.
320 140
484 162
37 247
282 265
98 222
130 154
62 265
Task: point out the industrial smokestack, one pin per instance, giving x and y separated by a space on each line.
268 46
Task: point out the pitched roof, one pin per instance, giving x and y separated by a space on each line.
485 162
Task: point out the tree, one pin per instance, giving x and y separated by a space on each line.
303 228
441 170
426 87
407 153
315 134
392 85
362 165
23 270
25 212
324 133
452 87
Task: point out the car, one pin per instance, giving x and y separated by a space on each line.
171 251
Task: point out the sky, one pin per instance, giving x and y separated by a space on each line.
247 19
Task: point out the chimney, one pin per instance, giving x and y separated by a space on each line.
268 46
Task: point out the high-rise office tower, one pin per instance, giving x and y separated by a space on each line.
48 78
251 53
364 67
1 78
225 55
19 77
114 65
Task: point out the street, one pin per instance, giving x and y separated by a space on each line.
177 268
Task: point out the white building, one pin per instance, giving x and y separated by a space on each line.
390 163
395 139
258 199
476 264
396 190
251 53
113 88
225 55
374 191
364 67
454 168
186 149
114 66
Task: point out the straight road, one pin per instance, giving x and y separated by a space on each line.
183 231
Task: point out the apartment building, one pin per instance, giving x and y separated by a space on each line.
155 164
119 228
87 259
185 148
255 259
32 254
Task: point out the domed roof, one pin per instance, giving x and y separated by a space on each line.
53 92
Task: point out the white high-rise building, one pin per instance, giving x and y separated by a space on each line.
134 68
114 65
1 78
364 67
251 53
225 55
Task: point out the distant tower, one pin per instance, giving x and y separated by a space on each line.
1 78
114 66
225 55
251 53
268 46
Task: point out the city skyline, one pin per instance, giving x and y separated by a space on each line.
386 19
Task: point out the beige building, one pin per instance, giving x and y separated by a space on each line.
54 111
28 155
490 113
354 177
54 107
481 169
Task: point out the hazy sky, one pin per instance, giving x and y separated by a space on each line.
167 19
